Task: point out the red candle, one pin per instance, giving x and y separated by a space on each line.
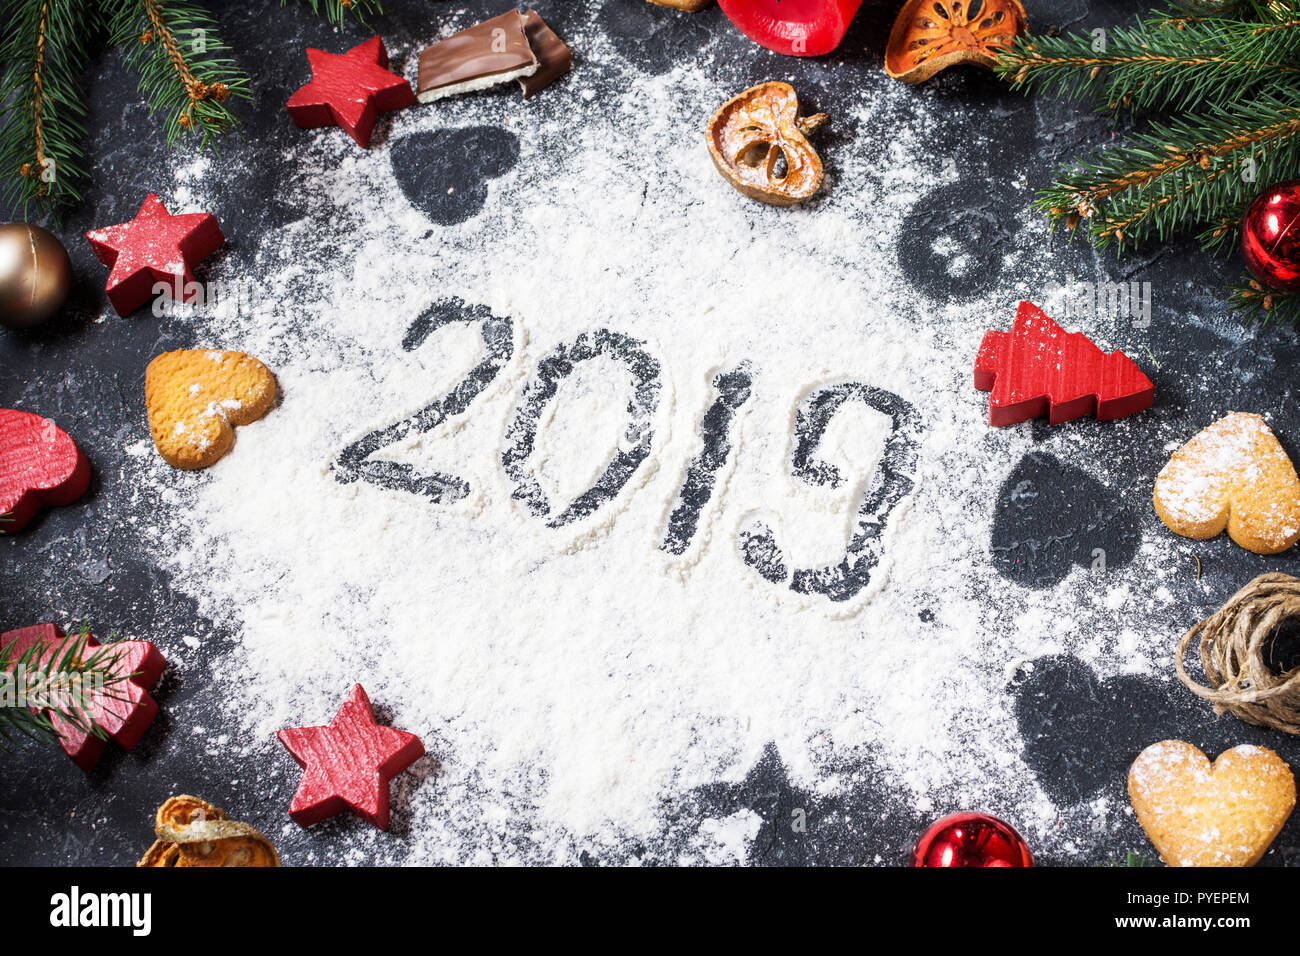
793 27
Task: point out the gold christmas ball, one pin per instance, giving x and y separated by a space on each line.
35 275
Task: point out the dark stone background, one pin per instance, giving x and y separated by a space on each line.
1080 733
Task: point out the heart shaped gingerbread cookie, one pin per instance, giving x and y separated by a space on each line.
1202 814
196 397
1234 474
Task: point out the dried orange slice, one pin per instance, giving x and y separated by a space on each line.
759 143
690 6
232 851
192 832
932 35
178 813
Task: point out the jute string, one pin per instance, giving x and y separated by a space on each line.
1234 645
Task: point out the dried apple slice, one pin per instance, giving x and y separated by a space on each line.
932 35
759 143
178 813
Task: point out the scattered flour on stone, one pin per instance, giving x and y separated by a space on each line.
568 680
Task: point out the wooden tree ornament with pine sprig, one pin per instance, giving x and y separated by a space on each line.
187 75
49 671
1216 102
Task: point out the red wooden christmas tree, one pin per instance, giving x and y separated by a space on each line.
123 710
1038 368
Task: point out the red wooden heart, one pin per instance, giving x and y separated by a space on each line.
39 465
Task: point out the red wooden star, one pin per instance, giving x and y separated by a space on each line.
123 710
349 90
153 247
348 764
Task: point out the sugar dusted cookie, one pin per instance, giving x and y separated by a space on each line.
1234 474
1202 814
196 397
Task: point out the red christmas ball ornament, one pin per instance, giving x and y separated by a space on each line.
971 839
1270 237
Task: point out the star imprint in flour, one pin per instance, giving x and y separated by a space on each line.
865 825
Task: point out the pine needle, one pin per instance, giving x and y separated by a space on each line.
43 50
1131 859
185 71
1164 63
1255 303
337 11
1223 97
69 680
187 76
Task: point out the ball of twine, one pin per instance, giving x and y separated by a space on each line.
1235 644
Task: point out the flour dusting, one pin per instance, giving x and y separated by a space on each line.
573 679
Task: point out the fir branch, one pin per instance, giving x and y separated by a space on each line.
1160 64
1192 172
183 70
42 47
1222 232
1171 206
337 11
1282 25
63 680
1162 211
1178 175
1277 11
1131 859
1252 302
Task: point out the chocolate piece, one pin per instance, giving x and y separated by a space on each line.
492 52
556 58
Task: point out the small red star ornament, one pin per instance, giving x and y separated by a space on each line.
123 710
154 247
347 765
349 90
